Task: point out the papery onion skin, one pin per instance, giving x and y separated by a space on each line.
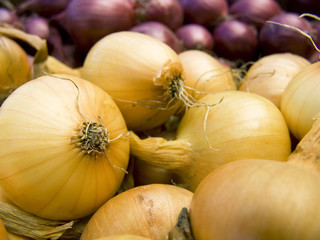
47 167
204 74
160 32
195 36
168 12
15 67
257 199
274 38
150 211
235 40
300 103
241 125
254 12
138 71
270 75
87 21
3 231
204 12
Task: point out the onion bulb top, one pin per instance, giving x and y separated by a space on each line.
141 73
63 147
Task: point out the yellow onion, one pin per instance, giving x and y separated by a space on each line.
270 75
233 125
262 199
142 74
149 210
300 102
63 147
15 67
204 74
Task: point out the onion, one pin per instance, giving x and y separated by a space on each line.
160 32
238 125
87 21
255 12
235 40
270 75
204 12
143 74
168 12
195 36
38 26
63 147
261 199
204 74
15 67
45 8
9 17
300 100
150 211
276 39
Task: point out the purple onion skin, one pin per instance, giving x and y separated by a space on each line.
9 17
204 12
37 25
159 31
235 40
195 36
168 12
255 12
87 21
277 39
46 8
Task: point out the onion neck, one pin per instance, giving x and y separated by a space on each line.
162 153
307 152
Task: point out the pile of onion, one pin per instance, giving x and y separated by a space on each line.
230 126
270 75
262 199
150 211
63 147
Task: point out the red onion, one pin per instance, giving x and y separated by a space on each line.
159 31
168 12
195 36
234 40
9 17
42 7
204 12
87 21
38 26
255 11
276 39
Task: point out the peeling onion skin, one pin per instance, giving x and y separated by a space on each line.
47 167
150 211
